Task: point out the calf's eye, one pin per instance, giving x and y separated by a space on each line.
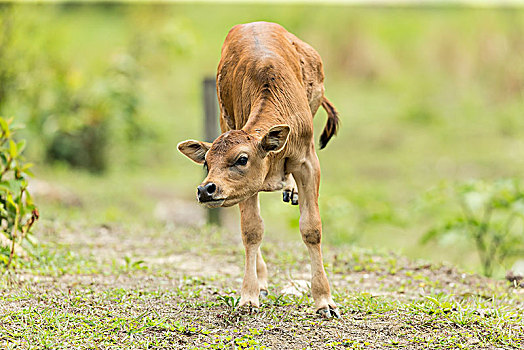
241 161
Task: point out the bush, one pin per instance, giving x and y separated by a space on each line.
17 210
78 116
491 216
74 114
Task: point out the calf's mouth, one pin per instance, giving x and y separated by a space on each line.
213 203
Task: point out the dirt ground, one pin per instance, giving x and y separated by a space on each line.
171 286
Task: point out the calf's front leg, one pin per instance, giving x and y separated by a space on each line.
262 274
307 177
252 228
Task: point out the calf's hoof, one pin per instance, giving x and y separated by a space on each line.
263 294
329 312
249 308
294 198
290 196
251 302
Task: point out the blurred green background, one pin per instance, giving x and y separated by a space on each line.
427 97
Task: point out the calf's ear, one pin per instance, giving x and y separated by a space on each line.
194 150
275 139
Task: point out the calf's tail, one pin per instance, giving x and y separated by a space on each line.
331 127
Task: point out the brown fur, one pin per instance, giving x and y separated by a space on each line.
269 86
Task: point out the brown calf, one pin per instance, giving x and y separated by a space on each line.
269 85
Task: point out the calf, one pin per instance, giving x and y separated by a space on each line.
269 86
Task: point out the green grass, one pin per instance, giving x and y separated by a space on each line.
160 318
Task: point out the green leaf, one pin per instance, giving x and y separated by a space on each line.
15 185
4 127
5 187
13 149
28 172
29 201
26 166
10 200
4 259
21 146
433 300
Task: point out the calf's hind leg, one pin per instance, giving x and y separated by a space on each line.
307 177
255 273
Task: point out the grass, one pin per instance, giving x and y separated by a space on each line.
158 284
191 316
136 310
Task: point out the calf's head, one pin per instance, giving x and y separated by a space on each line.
237 164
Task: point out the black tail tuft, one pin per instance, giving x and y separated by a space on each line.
331 127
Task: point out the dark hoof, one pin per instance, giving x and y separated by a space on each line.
249 309
286 195
294 199
329 312
263 294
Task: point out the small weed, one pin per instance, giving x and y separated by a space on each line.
130 265
491 217
229 301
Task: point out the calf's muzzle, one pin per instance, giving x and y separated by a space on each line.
205 193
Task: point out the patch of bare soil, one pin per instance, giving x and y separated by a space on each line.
187 281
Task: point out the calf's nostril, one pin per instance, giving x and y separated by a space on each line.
200 189
211 188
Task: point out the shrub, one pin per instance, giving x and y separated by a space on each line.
17 210
491 216
78 115
75 114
